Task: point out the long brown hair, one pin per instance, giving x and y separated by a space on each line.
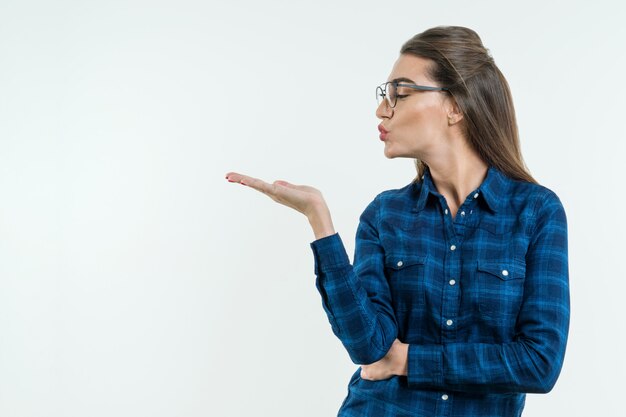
463 65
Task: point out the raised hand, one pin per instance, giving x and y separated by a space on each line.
303 198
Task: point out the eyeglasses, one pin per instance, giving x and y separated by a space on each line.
389 91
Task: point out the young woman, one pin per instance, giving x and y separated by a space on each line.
457 303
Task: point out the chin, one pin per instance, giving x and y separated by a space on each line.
392 155
389 154
392 152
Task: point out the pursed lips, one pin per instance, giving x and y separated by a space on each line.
383 132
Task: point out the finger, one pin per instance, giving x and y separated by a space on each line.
305 188
276 191
256 183
365 374
235 177
260 185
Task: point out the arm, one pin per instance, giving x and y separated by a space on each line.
533 360
356 298
362 319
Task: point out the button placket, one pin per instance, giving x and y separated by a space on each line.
451 293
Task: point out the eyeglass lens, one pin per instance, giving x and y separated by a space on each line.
388 91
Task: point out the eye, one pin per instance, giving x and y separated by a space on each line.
402 95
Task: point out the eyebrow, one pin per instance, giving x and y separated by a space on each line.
400 79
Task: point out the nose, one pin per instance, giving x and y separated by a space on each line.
384 110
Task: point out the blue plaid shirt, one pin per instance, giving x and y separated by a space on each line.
481 299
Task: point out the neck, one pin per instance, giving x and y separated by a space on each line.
455 176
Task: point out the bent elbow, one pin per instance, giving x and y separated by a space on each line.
370 350
365 348
366 354
541 387
549 381
545 380
544 364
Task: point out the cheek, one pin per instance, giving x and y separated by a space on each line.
422 119
427 116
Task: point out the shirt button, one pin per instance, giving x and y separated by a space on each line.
505 272
449 322
400 263
446 211
462 213
476 195
453 247
452 282
444 397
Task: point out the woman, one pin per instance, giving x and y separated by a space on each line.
458 301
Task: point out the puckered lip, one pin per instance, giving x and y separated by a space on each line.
381 129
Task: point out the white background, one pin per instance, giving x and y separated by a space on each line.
136 281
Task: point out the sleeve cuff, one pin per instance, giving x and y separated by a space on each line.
329 254
425 366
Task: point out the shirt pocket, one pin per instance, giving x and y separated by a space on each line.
501 286
405 274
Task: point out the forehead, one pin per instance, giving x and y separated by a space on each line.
410 67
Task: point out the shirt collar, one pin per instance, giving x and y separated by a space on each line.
427 188
492 190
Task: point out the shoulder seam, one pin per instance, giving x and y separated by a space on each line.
541 198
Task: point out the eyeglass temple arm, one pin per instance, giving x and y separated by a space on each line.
422 87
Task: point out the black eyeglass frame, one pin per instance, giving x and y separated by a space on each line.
381 91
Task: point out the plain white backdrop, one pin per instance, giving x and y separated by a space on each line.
136 281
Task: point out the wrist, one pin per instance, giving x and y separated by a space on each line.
321 222
402 364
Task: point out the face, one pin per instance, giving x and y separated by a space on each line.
418 124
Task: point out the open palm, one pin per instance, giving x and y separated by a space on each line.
302 198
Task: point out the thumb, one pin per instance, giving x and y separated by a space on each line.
283 183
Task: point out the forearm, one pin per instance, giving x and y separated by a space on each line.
365 326
355 297
520 366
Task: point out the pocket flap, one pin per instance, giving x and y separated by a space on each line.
396 261
505 270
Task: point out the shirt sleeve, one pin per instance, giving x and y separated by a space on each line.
532 361
356 298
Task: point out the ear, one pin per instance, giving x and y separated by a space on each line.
455 115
